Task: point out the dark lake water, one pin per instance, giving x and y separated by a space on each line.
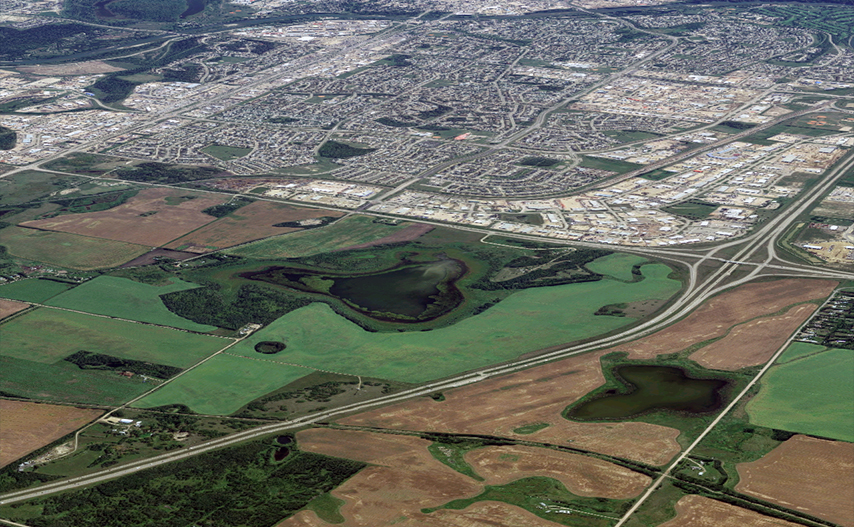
101 9
409 290
193 7
654 388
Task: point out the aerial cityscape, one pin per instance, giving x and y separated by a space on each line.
280 263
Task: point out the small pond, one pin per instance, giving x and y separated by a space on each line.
650 388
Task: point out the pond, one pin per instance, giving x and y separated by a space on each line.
649 388
193 7
416 291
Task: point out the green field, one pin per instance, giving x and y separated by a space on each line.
612 165
526 321
124 298
49 335
32 290
797 350
226 153
224 384
68 250
66 383
616 265
349 231
809 395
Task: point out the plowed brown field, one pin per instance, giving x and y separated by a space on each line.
753 342
581 475
406 478
537 395
717 315
30 426
812 475
10 307
251 222
697 511
145 219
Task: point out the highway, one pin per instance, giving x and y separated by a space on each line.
755 253
696 292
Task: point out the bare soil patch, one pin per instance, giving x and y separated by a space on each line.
10 307
146 219
30 426
720 313
79 68
406 234
753 342
248 223
812 475
405 478
537 395
697 511
581 475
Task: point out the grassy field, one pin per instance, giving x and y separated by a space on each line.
224 384
601 163
225 153
66 383
616 265
32 185
49 335
797 350
525 321
123 298
68 250
350 231
32 290
809 395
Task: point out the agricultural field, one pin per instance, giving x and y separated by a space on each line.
754 342
10 307
152 217
68 250
430 493
48 335
825 489
318 338
63 382
34 185
29 426
352 231
33 290
716 316
224 384
617 265
539 395
250 222
803 395
698 511
128 299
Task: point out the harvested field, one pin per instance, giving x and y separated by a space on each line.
805 473
407 234
754 342
405 479
78 68
537 395
68 250
30 426
720 313
151 257
10 307
581 475
484 513
697 511
248 223
153 217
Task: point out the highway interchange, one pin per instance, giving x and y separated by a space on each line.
709 271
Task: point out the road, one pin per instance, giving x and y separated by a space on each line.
756 253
